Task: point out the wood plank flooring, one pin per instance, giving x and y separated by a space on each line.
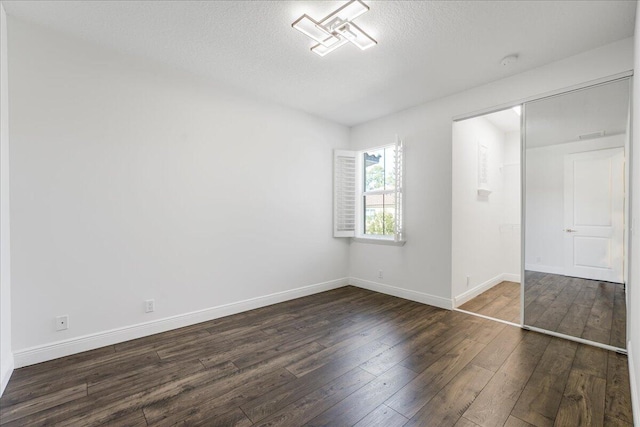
589 309
500 302
582 308
347 357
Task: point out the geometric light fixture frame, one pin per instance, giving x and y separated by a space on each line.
336 29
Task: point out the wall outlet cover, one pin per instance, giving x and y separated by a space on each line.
149 305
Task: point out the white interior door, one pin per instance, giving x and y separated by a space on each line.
594 214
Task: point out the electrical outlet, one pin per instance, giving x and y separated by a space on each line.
62 322
379 274
468 281
149 305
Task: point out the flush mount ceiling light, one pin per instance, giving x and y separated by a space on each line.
336 29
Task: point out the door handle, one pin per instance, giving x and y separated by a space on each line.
570 230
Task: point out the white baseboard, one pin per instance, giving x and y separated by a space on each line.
402 293
483 287
7 370
633 383
540 268
509 277
42 353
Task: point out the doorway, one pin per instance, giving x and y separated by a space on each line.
486 229
574 239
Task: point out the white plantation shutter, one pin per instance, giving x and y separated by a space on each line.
399 173
344 193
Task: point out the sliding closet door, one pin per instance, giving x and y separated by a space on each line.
575 186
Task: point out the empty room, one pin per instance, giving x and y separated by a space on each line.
319 213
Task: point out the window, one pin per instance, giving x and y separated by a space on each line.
368 193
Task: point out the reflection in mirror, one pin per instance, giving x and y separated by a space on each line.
486 215
574 280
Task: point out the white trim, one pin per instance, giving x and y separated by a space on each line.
379 241
523 204
476 290
635 393
75 345
378 192
575 339
495 319
510 277
507 105
549 269
398 165
7 370
395 291
483 287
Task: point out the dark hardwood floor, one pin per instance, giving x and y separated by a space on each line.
340 358
500 302
589 309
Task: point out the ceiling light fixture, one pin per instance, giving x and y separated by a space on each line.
336 29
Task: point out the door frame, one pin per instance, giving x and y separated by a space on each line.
521 102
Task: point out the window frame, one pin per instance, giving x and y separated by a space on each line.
397 238
361 193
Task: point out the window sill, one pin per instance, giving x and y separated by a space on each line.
378 241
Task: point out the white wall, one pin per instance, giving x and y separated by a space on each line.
130 182
6 355
633 294
477 220
545 201
510 231
486 230
422 267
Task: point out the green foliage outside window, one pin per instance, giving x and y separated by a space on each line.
381 223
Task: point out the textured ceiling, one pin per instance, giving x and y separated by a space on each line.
426 50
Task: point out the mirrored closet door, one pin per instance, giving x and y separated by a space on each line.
575 210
